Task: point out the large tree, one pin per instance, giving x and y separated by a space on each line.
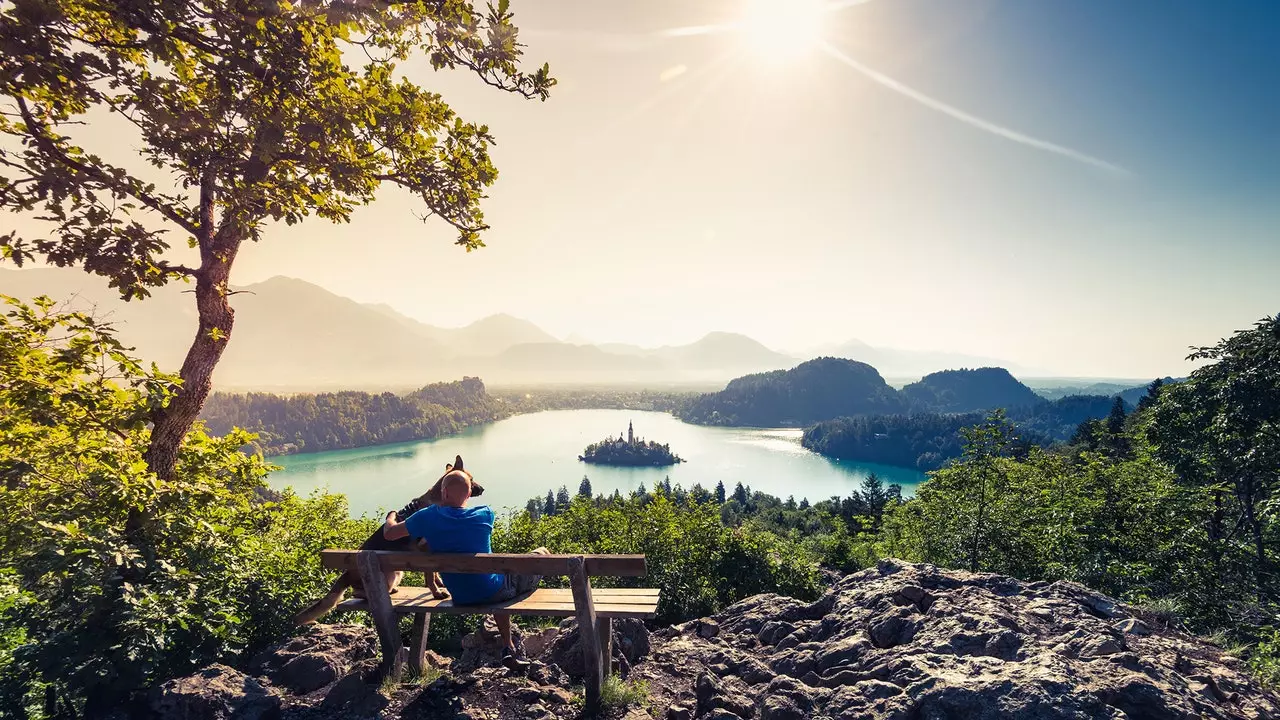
247 112
1220 429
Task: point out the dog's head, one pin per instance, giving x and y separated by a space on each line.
433 495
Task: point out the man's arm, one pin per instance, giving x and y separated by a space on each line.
393 529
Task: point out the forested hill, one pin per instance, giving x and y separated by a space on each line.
815 390
333 421
961 391
928 440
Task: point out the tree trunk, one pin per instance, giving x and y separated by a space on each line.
216 319
217 253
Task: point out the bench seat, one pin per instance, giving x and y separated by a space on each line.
556 602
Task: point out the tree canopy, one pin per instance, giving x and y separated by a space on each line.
247 113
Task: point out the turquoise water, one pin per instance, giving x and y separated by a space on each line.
523 456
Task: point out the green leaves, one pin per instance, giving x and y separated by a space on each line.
111 578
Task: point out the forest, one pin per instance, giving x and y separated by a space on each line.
928 440
286 424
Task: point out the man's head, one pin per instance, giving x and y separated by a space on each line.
455 488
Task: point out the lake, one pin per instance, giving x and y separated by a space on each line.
526 455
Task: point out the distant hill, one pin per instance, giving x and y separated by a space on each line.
815 390
961 391
291 335
724 350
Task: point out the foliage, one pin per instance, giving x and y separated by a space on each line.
618 693
923 441
1220 432
1264 660
962 391
251 113
700 564
816 390
288 424
126 578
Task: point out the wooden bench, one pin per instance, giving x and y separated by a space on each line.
594 608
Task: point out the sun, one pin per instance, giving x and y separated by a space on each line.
782 30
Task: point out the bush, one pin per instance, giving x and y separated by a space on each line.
700 565
113 578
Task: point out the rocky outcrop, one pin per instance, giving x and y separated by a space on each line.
215 693
902 641
895 642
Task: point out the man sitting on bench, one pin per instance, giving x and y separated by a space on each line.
451 527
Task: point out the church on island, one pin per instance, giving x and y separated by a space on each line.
629 451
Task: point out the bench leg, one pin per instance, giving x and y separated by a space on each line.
418 642
384 618
604 631
586 611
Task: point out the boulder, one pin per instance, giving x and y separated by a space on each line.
904 640
214 693
631 642
320 656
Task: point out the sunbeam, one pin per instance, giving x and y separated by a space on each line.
965 117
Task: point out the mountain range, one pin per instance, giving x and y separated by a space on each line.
292 335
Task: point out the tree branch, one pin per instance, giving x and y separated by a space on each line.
50 148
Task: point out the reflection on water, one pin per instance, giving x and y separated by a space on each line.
526 455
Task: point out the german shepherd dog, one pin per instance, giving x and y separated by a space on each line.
351 578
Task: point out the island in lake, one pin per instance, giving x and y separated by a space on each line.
629 451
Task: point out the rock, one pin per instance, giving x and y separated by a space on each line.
914 593
317 658
215 693
631 642
708 628
774 631
537 643
1133 626
912 641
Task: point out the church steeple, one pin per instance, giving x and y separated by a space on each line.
631 434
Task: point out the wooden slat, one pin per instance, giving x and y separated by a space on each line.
553 602
530 564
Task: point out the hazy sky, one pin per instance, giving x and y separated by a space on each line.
1085 187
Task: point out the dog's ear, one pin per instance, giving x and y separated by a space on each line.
476 488
457 463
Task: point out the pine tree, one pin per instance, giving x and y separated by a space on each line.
1153 394
720 493
666 486
740 495
804 503
1115 420
549 507
562 498
584 487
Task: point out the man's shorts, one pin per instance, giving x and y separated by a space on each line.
517 584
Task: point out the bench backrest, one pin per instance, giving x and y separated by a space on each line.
554 565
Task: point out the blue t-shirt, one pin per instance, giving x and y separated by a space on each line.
458 530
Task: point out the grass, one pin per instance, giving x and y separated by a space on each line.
618 693
428 675
1165 609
